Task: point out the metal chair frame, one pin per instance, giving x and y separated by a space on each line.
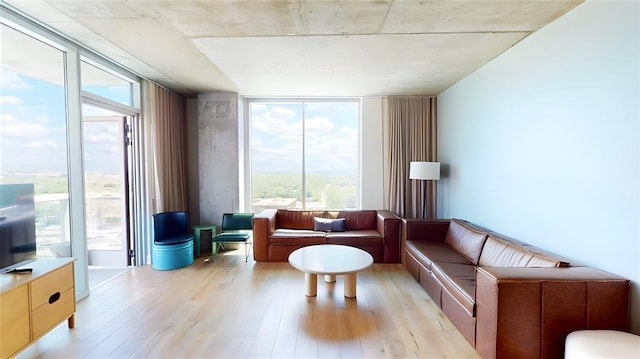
236 228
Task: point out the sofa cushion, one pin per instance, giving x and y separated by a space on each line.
297 236
466 239
328 225
428 252
359 238
543 258
357 220
459 280
297 219
498 252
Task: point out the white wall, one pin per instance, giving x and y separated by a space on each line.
371 146
542 143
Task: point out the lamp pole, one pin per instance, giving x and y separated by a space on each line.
424 199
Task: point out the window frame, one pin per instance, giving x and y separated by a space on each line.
246 195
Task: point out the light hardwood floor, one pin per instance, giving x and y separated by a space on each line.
232 309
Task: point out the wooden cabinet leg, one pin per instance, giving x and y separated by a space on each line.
71 321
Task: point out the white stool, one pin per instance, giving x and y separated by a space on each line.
600 344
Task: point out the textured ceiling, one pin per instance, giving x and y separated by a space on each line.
298 47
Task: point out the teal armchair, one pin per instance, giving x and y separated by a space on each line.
236 228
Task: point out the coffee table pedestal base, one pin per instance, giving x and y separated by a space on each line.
330 260
350 285
311 284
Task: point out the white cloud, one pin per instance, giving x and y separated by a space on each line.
100 138
10 100
258 108
282 112
331 139
276 121
42 118
318 125
43 145
5 118
113 149
11 127
10 79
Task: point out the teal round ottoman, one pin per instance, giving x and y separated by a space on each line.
172 256
172 242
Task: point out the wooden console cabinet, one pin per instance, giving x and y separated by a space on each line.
31 304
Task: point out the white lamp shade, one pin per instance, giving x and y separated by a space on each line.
424 170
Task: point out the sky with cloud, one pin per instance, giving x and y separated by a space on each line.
33 131
330 136
32 125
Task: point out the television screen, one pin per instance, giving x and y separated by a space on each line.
17 225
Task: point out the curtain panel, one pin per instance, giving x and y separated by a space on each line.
409 126
164 116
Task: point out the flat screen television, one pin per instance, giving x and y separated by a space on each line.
17 226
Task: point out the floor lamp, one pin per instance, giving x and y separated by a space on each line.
424 171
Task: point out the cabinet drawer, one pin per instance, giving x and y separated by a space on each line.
14 321
43 288
50 314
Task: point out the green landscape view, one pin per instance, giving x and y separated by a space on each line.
330 190
47 186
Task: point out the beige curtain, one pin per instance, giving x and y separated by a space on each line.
164 116
409 135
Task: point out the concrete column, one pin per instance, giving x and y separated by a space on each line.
218 156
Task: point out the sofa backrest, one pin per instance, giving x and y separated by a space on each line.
466 239
357 220
502 252
498 252
303 219
297 219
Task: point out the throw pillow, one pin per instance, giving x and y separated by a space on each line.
328 225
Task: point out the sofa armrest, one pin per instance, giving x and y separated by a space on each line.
428 230
388 225
264 224
528 312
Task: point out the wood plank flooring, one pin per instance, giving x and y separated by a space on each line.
232 309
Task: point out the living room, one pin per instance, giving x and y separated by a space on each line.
541 143
545 148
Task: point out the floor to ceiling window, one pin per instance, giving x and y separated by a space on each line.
304 153
45 88
33 134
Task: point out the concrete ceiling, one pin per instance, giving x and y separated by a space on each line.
299 47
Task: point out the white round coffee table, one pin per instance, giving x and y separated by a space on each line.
330 260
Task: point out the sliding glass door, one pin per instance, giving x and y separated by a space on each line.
106 188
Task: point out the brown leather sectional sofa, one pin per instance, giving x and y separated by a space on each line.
507 298
278 232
